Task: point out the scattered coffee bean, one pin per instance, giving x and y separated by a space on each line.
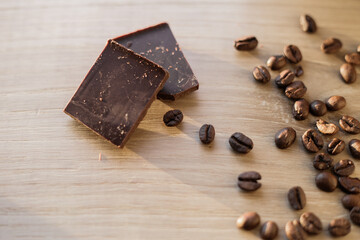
299 71
269 230
292 53
285 137
351 200
173 118
339 227
300 109
312 141
318 108
311 223
353 58
295 90
355 215
354 146
307 23
349 124
349 184
326 128
241 143
246 43
335 103
297 198
276 62
331 45
207 133
322 161
284 78
344 168
248 181
294 231
326 181
348 73
335 146
248 221
261 74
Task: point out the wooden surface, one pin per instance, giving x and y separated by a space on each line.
164 184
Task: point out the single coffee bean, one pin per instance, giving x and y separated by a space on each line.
353 58
331 45
335 103
248 181
292 53
307 23
301 109
173 118
299 71
285 137
318 108
339 227
312 141
349 184
351 200
294 231
246 43
335 146
326 181
349 124
348 73
241 143
295 90
276 62
269 230
207 133
344 167
355 215
311 223
322 161
297 198
248 221
261 74
326 128
354 146
285 78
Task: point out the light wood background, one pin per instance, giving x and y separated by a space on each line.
164 184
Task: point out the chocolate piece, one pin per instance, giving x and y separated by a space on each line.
116 93
158 44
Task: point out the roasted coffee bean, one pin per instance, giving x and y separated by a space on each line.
339 227
326 181
331 45
349 124
173 118
285 137
246 43
353 58
295 90
349 184
269 230
297 198
355 215
300 109
344 167
354 146
248 181
348 73
292 53
294 231
351 200
261 74
241 143
326 128
312 141
299 71
318 108
311 223
307 23
322 161
335 103
335 146
207 133
284 78
276 62
248 221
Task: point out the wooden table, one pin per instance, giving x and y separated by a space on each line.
164 184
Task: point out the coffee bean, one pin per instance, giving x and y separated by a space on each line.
292 53
349 184
261 74
318 108
294 231
241 143
207 133
322 161
351 200
354 146
312 141
339 227
349 124
276 62
348 73
297 198
326 181
173 118
285 137
295 90
298 71
300 109
310 223
248 221
326 128
335 103
285 78
355 215
269 230
331 45
335 146
344 167
248 181
307 23
246 43
353 58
